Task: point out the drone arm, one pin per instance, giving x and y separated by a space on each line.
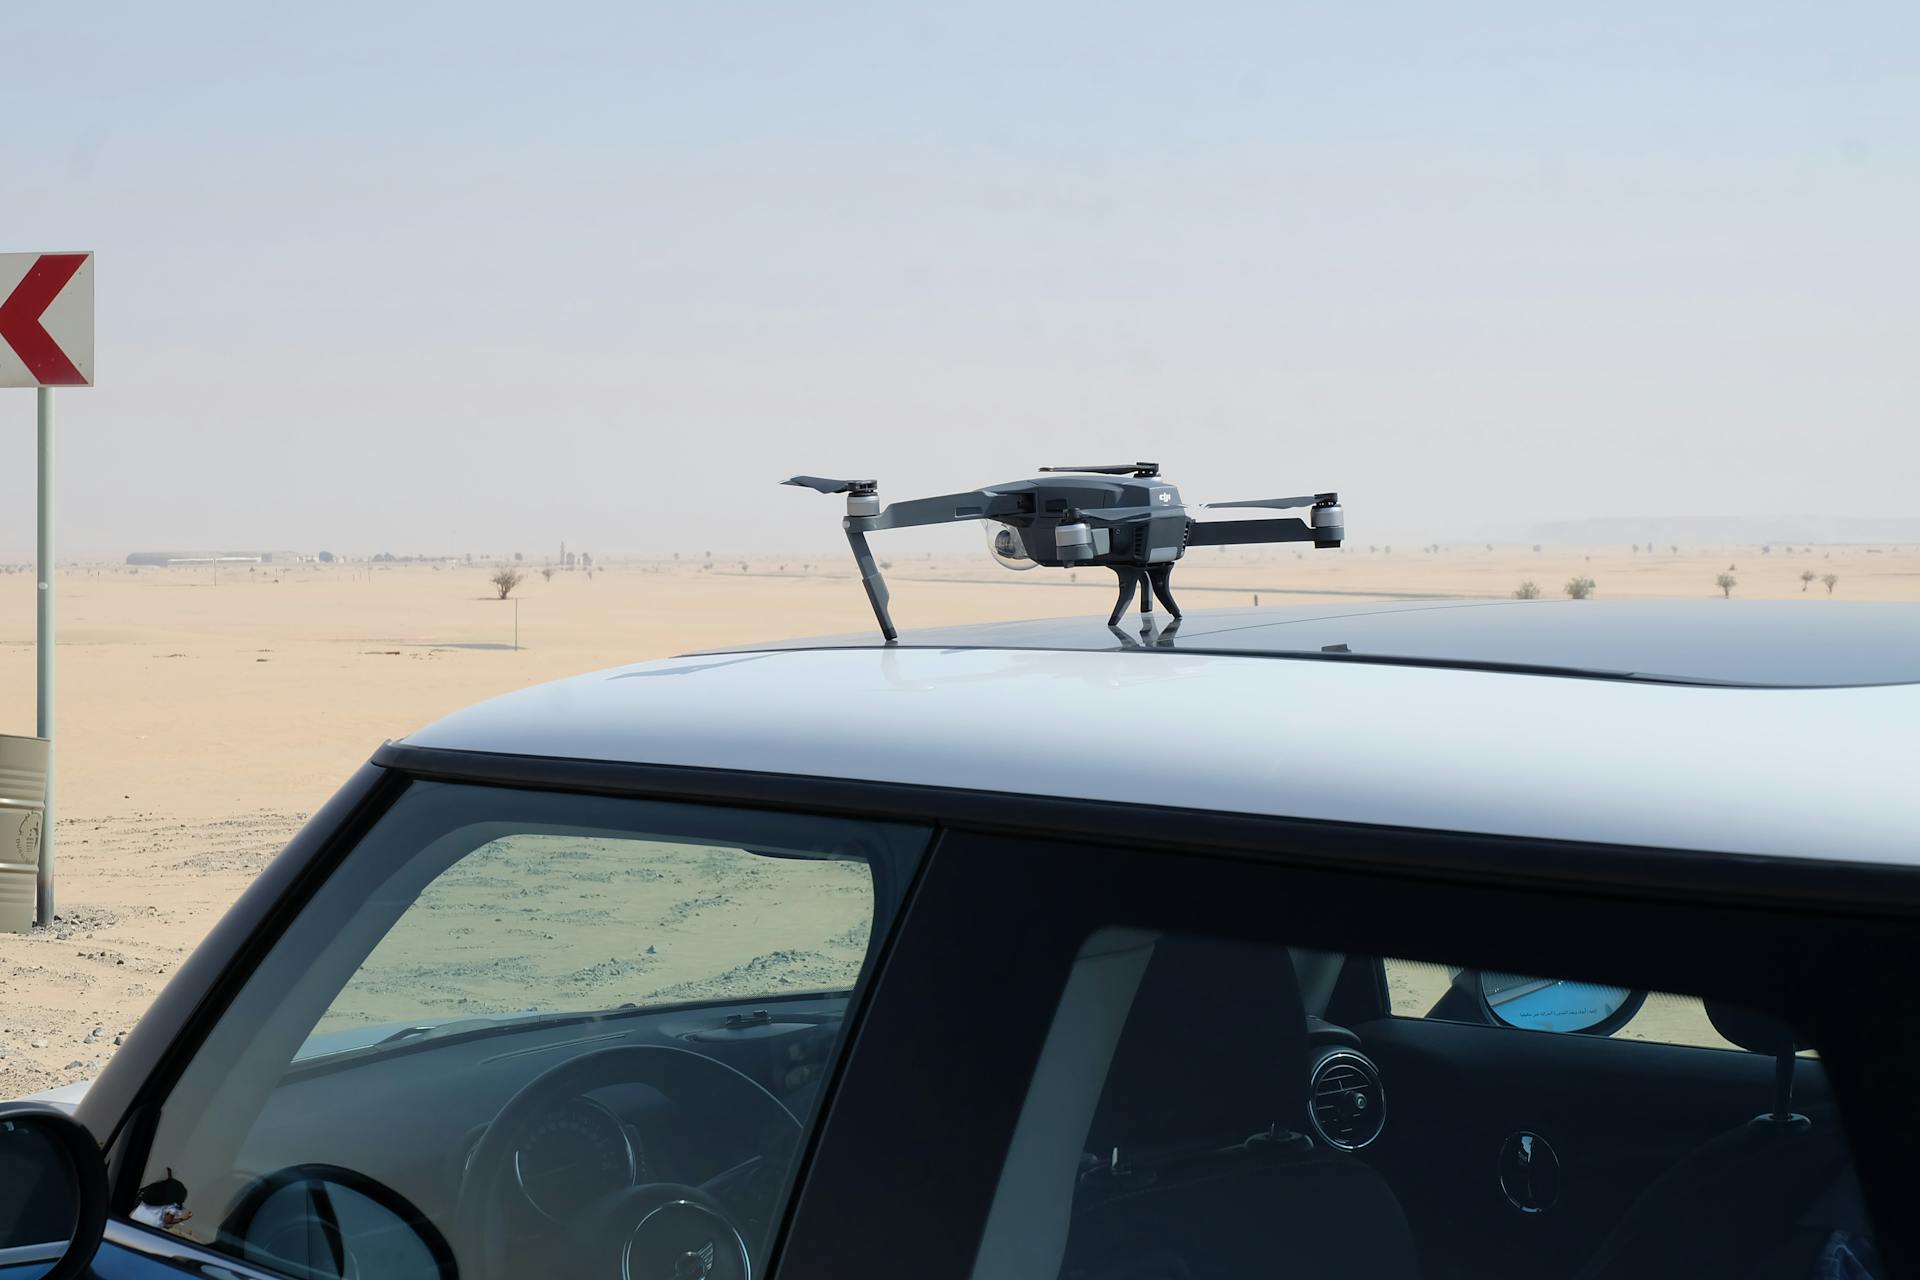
948 508
1237 533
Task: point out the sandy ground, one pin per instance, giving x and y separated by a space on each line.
202 716
600 921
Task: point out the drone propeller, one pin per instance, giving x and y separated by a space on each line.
820 484
1138 470
1276 504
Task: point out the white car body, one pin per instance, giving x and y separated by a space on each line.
1678 760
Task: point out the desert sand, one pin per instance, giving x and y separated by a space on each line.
204 714
596 921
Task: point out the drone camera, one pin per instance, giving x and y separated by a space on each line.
1004 545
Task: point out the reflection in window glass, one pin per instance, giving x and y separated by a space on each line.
1414 987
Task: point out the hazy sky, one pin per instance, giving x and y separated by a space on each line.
482 277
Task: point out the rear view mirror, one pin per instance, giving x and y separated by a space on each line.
1556 1004
54 1209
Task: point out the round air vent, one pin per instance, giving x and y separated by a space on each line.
1347 1105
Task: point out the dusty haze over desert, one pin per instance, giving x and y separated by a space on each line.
204 713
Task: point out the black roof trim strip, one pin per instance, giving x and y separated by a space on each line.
1312 655
1716 877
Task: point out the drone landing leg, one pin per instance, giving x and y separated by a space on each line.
875 584
1130 577
1161 576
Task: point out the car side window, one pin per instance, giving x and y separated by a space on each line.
522 1032
1171 1090
1185 1116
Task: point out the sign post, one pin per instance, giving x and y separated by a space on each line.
43 653
46 341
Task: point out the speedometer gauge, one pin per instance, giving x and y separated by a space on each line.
571 1157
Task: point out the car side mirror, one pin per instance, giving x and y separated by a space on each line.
1556 1004
54 1208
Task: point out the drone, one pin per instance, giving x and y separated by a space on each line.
1122 516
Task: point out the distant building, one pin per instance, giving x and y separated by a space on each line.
213 557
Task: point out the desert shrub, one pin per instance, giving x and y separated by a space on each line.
1806 579
1830 579
505 580
1528 590
1726 582
1579 587
547 573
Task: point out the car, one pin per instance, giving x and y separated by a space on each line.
1435 938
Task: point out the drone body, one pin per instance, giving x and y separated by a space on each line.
1122 516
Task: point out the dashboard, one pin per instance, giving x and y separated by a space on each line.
574 1154
413 1114
586 1147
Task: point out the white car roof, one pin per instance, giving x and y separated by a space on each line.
1813 771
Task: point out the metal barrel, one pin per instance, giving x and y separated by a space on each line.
23 802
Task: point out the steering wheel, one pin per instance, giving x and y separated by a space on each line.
654 1231
313 1241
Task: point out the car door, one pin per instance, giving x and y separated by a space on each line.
970 1133
516 1031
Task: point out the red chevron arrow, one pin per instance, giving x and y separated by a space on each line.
20 320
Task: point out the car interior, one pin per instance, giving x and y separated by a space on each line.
507 1147
1202 1107
1199 1107
655 1126
1208 1107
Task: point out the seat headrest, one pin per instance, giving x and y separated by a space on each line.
1215 1048
1758 1032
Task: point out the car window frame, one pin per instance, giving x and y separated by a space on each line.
899 849
892 1022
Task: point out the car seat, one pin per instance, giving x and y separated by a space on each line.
1760 1200
1197 1166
